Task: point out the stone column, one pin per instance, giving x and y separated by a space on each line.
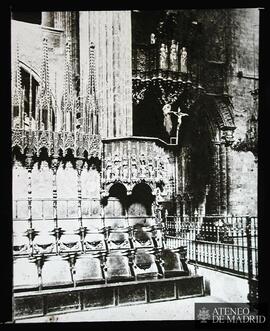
47 19
223 177
229 140
69 22
110 31
214 194
225 169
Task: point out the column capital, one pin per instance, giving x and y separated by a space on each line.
227 135
55 163
29 161
79 165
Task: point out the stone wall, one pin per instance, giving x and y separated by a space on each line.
233 41
243 190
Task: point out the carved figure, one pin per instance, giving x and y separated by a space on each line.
163 63
152 38
134 170
179 114
125 171
174 56
161 170
27 123
167 118
183 60
151 171
143 168
109 171
116 169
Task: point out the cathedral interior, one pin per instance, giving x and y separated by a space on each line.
119 119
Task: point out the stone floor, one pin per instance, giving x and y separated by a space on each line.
171 310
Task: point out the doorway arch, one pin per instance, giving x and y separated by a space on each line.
140 201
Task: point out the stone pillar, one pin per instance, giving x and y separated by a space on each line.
47 19
229 162
228 136
223 177
213 199
225 166
69 22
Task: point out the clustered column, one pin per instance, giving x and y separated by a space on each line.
220 192
223 176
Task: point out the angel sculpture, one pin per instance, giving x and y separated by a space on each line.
152 38
167 118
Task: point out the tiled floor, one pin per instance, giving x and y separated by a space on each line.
170 310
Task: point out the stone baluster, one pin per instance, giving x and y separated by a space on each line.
103 260
79 166
29 166
57 231
55 165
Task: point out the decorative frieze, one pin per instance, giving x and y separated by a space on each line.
136 161
54 142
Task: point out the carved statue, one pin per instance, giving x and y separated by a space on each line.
183 60
125 171
116 169
167 118
174 56
151 171
27 123
179 114
163 62
160 170
134 170
152 38
109 171
143 168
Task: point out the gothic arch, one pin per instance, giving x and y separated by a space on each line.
141 199
204 140
117 189
219 111
30 71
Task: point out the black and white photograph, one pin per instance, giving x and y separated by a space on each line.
135 165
